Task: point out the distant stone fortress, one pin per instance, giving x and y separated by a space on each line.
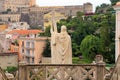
26 10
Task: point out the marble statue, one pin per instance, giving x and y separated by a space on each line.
61 51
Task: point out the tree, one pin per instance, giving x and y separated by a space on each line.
113 2
103 8
46 33
107 35
47 50
90 46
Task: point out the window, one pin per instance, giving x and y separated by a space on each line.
28 59
22 43
27 44
32 53
28 52
9 62
32 44
22 50
32 60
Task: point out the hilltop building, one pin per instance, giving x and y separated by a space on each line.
28 11
15 5
10 17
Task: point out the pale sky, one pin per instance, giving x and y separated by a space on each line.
70 2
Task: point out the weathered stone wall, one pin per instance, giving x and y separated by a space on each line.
36 19
8 59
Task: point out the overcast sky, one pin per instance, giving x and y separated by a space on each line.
70 2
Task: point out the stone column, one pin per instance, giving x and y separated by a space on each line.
117 31
100 67
100 71
22 71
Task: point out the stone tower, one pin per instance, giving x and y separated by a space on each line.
88 7
117 31
32 2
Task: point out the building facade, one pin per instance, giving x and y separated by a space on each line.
10 17
15 5
31 49
18 26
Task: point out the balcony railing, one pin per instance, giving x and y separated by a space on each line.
62 72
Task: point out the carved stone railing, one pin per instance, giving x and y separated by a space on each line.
61 72
2 75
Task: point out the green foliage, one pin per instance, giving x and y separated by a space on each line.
16 42
76 60
103 8
90 46
11 69
46 33
40 27
47 50
113 2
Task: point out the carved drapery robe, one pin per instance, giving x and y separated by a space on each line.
61 48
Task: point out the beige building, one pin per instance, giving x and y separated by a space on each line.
10 17
15 5
31 49
8 59
1 5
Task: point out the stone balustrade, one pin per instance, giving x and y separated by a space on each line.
62 72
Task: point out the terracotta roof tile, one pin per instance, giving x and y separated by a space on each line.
24 32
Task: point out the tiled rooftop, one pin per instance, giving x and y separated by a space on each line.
24 32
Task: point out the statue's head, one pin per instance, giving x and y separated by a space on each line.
63 28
